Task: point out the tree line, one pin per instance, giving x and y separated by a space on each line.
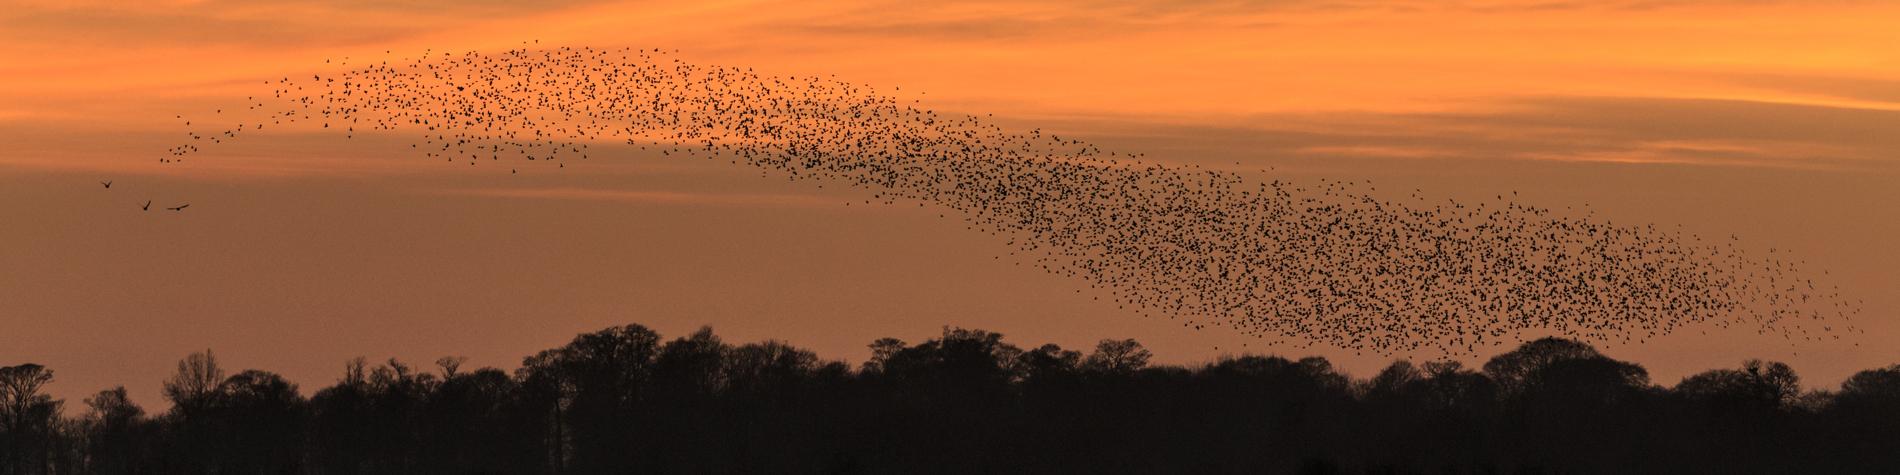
625 400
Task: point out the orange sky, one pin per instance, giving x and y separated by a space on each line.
1772 120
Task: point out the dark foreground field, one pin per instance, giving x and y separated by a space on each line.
624 400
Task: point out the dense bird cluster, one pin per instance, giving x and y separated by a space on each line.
1325 263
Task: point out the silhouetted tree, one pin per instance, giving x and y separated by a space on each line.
471 424
117 436
251 422
1748 412
771 367
1117 357
881 352
1511 370
621 401
691 367
1761 386
369 422
450 365
260 420
1863 422
593 387
1393 381
192 388
193 439
961 358
1050 364
1872 385
28 420
1566 404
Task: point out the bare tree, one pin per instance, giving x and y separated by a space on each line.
111 432
1118 356
27 419
450 365
20 392
1767 384
112 407
197 379
881 352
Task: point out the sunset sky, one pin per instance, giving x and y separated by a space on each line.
1777 121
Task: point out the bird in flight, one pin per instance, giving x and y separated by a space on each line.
107 183
147 207
180 207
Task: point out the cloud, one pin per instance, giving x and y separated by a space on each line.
1884 90
247 23
107 27
1014 21
1707 132
1801 133
953 29
647 196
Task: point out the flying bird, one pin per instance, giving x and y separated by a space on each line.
1295 261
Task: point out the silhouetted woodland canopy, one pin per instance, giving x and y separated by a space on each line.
626 400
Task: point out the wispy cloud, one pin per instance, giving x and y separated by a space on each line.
249 23
646 196
1687 81
1706 132
1858 89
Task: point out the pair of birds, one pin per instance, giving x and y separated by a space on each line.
148 203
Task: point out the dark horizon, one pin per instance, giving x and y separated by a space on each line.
627 399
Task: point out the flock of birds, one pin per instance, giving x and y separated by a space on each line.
1298 264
